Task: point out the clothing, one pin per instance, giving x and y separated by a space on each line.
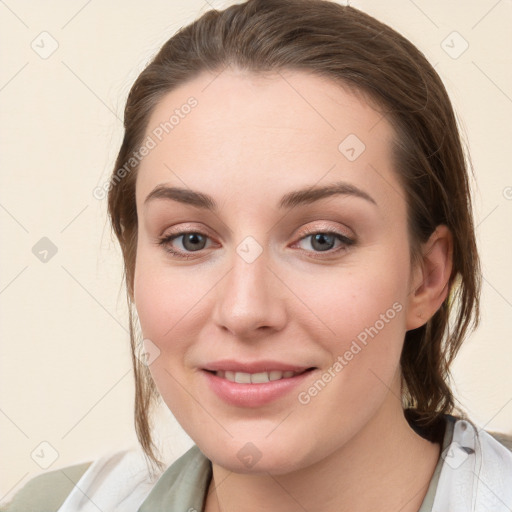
428 500
473 474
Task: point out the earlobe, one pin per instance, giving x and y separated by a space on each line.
431 278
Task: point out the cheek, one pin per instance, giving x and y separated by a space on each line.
367 315
165 297
347 301
364 311
170 302
164 306
155 305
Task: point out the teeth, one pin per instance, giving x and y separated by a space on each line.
257 378
242 378
254 378
275 375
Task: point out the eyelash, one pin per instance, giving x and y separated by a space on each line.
346 242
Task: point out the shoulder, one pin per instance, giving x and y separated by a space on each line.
491 445
46 491
463 427
504 439
476 471
496 442
121 476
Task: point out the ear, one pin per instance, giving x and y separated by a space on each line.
430 278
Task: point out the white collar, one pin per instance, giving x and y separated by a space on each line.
476 475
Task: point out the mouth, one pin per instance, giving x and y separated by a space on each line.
257 384
258 377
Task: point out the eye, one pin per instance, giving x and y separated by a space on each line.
325 241
190 241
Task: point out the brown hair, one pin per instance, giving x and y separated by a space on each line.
354 49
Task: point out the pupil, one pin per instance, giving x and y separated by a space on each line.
193 239
322 239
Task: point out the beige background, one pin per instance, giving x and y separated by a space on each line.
65 374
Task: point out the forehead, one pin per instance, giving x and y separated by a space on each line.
259 132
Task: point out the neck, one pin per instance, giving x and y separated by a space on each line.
386 466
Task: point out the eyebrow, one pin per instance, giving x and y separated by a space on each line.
290 200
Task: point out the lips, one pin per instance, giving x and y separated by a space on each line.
253 384
255 372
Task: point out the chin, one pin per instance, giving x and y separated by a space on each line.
258 457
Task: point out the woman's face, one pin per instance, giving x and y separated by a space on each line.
297 260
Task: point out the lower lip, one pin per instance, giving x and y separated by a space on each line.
253 395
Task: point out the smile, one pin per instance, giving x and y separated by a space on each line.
255 378
257 388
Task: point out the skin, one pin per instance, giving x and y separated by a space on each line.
249 141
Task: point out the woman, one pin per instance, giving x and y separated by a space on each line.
292 202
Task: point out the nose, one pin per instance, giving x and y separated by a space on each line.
250 300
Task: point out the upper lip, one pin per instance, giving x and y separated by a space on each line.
253 366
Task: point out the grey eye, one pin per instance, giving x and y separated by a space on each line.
193 241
